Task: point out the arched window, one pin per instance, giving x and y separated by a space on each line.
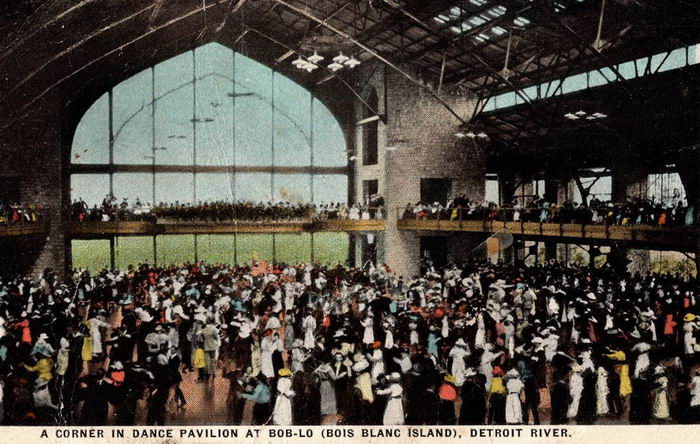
370 133
207 125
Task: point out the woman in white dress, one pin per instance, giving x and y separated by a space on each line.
282 414
96 324
485 366
459 353
642 363
309 326
268 345
689 329
377 360
368 324
661 405
514 407
480 339
393 414
601 392
575 390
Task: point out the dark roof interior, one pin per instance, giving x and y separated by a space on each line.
79 48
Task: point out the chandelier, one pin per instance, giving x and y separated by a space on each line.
313 62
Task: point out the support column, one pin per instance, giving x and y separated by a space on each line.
630 183
422 137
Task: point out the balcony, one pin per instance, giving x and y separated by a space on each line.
83 230
677 238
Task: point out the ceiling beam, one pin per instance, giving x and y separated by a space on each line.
373 53
279 42
149 32
473 55
232 9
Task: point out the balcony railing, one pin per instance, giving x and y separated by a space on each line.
671 237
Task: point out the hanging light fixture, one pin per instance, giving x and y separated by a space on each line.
352 62
335 66
470 134
315 58
571 116
341 58
482 135
580 113
309 67
299 63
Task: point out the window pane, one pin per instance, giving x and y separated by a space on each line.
254 187
92 188
253 112
330 188
602 77
293 248
215 137
329 140
331 248
626 70
292 188
133 187
215 187
675 60
175 249
216 248
508 99
174 187
133 251
132 119
91 139
90 254
491 191
214 58
575 83
254 247
173 73
292 123
174 127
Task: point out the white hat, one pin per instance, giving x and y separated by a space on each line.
43 336
460 343
469 372
360 365
395 376
117 365
513 373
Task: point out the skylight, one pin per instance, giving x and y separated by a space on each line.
477 20
461 21
521 21
678 58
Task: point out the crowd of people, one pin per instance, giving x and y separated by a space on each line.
479 343
631 212
15 213
220 211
